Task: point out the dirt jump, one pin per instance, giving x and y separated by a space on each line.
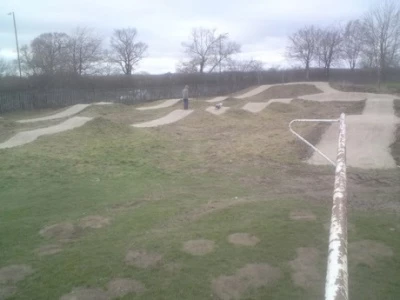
172 117
25 137
166 103
70 111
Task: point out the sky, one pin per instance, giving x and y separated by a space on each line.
260 26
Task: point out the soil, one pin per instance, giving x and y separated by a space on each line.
86 294
14 273
367 252
94 222
249 277
48 250
63 232
305 273
119 287
198 247
243 239
302 216
142 259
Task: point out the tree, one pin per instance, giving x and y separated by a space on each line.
250 65
328 47
208 50
352 43
381 36
84 50
47 54
126 52
302 47
187 67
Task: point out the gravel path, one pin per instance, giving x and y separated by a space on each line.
215 111
25 137
172 117
255 107
254 92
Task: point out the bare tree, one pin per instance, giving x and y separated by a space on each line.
47 54
250 65
352 43
187 67
85 51
302 47
209 50
328 47
7 68
126 52
381 33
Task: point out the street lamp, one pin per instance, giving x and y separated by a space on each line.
16 41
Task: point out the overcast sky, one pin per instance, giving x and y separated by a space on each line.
260 26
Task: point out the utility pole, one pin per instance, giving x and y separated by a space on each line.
16 42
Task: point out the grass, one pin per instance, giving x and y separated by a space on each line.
204 177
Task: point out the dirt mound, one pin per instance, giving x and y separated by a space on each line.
367 252
48 250
301 215
305 273
286 91
244 239
94 222
64 232
14 273
142 259
86 294
249 277
198 247
120 287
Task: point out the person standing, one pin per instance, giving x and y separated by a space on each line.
185 95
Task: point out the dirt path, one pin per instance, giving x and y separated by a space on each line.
166 103
369 137
172 117
217 99
215 111
25 137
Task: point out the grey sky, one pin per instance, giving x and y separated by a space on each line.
261 26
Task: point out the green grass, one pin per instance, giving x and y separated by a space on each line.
155 185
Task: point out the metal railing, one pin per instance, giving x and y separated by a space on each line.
336 285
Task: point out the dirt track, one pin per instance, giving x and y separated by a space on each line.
369 137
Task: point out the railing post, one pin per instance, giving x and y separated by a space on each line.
336 286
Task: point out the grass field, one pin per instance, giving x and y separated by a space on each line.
201 179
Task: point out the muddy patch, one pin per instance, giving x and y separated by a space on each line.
63 232
120 287
305 273
14 273
249 277
94 222
48 250
86 294
198 247
301 215
367 252
243 239
142 259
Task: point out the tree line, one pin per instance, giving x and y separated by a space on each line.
372 41
82 52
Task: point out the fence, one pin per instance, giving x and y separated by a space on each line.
336 285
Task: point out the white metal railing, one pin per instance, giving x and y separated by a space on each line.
336 285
